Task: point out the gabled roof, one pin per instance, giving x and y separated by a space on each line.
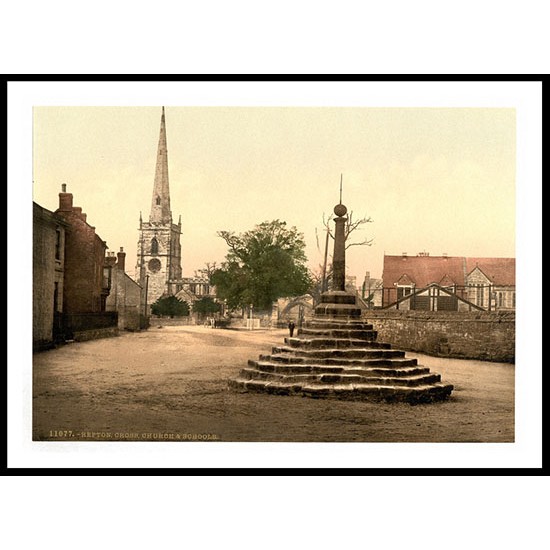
425 270
500 271
405 280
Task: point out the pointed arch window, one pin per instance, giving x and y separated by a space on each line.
154 246
158 200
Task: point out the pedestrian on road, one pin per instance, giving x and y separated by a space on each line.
291 326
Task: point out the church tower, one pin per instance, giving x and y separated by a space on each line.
158 265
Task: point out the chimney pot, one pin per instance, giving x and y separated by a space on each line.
121 259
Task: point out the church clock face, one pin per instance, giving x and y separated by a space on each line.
154 265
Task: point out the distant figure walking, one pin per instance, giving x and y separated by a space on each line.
291 326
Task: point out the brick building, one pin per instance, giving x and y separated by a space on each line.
86 280
48 276
488 283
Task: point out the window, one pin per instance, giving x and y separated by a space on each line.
154 265
158 200
403 291
154 246
106 278
58 244
480 294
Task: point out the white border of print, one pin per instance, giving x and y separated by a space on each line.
525 97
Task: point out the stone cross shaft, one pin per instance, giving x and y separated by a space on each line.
339 258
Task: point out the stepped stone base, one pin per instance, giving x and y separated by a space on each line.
337 356
338 303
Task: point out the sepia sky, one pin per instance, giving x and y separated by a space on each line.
437 180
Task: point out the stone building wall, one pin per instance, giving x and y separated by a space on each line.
161 262
488 336
130 309
125 296
48 274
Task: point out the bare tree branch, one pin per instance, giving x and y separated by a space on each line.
352 225
326 223
366 242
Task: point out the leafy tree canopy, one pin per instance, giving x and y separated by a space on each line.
262 264
170 306
206 305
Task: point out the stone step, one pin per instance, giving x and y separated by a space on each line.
360 334
364 392
343 311
345 353
337 322
378 362
342 378
327 321
337 297
324 343
301 368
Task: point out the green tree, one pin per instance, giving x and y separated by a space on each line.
170 306
206 306
262 264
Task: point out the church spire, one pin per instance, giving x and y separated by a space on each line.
160 204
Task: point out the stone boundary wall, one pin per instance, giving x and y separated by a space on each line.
487 336
77 322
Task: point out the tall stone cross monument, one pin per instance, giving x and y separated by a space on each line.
337 354
337 301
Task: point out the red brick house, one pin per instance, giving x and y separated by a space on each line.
87 278
86 283
489 283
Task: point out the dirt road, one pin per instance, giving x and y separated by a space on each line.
171 384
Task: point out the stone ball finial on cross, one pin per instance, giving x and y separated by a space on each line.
340 210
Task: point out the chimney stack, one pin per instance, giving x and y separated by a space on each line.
121 259
65 199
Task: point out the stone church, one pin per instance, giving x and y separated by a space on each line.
159 259
158 267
